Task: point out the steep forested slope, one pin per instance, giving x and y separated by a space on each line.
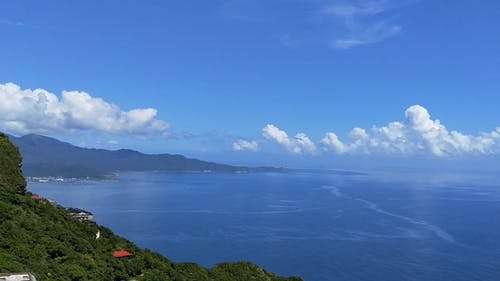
39 237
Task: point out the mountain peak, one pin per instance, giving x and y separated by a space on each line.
35 138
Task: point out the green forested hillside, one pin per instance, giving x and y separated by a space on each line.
41 238
11 177
45 156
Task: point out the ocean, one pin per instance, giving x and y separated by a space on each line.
318 225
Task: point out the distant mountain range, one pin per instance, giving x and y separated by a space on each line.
48 157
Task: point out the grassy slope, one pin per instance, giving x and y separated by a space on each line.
38 237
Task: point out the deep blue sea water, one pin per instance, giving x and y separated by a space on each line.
320 226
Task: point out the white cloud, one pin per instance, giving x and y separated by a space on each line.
305 144
346 10
368 34
296 145
332 142
243 145
25 111
362 22
13 23
418 134
348 43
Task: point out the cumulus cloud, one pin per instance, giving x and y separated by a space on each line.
296 145
25 111
332 142
244 145
304 143
418 134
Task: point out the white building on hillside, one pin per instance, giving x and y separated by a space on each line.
17 277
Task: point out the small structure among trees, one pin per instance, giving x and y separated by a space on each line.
81 215
122 254
25 276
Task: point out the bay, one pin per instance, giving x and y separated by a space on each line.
320 226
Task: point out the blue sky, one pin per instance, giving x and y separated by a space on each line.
217 74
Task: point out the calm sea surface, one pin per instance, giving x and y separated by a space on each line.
316 225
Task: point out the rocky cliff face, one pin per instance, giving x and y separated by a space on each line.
11 176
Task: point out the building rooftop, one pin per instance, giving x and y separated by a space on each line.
122 254
77 210
24 276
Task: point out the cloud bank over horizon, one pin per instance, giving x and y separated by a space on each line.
24 111
418 134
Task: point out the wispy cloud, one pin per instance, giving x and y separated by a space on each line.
352 22
15 23
357 8
367 35
363 22
244 145
12 23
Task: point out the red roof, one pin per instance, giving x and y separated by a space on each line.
121 254
37 197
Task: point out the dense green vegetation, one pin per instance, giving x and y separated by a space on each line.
41 238
11 177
